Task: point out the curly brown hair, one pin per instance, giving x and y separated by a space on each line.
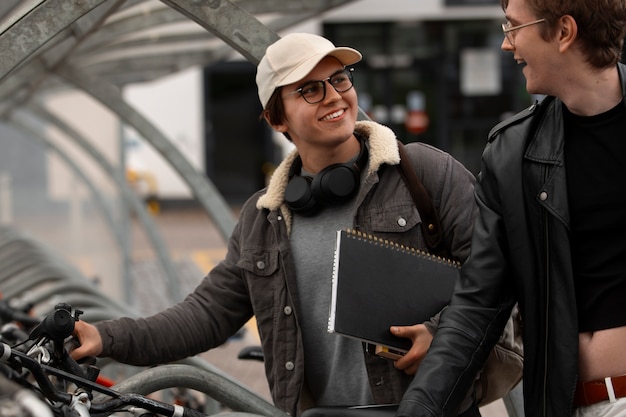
601 25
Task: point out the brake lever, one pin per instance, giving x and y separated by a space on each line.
39 353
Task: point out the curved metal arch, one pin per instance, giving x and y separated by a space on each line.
71 31
136 68
104 208
240 29
110 35
228 21
201 186
42 23
172 62
110 32
211 382
236 27
152 231
149 66
156 240
100 203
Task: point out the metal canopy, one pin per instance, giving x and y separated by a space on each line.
98 46
91 31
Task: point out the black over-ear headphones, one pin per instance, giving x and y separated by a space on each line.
335 184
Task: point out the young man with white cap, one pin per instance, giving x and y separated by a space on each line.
278 268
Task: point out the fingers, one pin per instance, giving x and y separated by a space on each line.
412 370
89 338
408 332
79 353
420 338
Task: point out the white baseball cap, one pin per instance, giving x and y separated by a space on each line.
292 57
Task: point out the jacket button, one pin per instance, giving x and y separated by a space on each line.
401 222
289 366
287 310
543 196
260 264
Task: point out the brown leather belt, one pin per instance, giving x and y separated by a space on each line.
592 392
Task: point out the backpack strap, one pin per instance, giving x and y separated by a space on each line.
431 226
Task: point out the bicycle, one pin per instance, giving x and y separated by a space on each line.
39 378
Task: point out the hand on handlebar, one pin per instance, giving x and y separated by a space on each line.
89 338
421 338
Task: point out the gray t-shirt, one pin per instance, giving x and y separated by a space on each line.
334 365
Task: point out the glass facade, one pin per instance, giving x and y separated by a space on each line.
446 83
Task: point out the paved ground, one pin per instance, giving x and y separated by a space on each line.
196 246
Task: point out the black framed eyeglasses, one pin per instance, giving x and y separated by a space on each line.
315 91
507 29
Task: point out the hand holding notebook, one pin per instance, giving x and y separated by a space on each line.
378 284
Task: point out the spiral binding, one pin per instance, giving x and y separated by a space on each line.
394 245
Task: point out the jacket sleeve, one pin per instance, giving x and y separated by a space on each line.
451 187
215 310
472 323
457 209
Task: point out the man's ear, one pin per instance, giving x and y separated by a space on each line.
281 127
567 33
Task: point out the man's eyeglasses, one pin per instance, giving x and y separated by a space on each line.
315 91
507 29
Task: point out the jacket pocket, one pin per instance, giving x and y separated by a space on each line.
258 262
394 219
262 275
398 223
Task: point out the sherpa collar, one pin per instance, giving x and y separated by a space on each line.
383 149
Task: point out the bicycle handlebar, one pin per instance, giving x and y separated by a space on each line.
118 401
11 356
52 368
59 325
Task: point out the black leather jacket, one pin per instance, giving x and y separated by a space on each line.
520 252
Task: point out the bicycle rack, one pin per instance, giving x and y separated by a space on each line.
33 274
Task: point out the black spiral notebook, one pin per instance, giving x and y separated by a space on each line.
377 283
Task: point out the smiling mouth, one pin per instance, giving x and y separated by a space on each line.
333 115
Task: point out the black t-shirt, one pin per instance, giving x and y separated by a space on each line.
595 160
